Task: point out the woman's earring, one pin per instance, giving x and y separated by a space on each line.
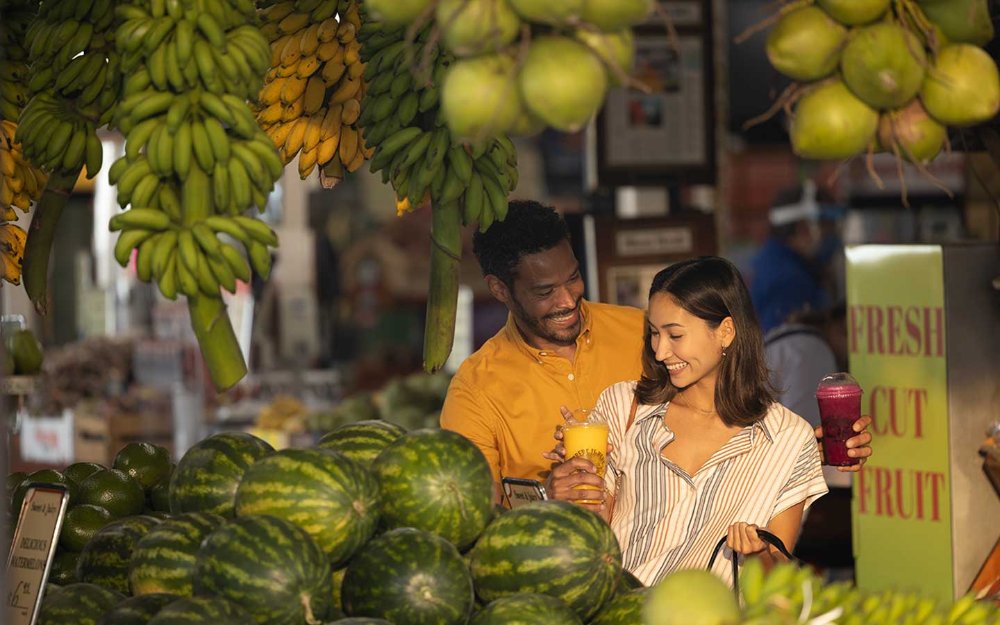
723 353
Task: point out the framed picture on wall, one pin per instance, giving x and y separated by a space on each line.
666 133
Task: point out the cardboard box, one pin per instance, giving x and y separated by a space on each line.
102 428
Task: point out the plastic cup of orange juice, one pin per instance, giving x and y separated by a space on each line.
587 439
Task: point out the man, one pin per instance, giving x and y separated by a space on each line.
784 277
556 349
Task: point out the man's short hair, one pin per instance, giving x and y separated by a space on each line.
529 228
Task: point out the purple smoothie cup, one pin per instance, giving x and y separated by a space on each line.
839 398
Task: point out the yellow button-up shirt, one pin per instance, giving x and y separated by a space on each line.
505 398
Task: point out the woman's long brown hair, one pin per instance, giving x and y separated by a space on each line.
711 288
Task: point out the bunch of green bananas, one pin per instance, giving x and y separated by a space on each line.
414 149
195 159
311 99
74 84
192 260
17 18
792 594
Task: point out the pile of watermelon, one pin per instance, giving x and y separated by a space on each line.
413 401
377 525
374 524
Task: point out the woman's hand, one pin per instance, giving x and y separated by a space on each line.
857 446
742 538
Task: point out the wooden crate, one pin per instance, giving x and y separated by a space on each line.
101 428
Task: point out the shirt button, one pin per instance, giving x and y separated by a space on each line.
543 353
571 377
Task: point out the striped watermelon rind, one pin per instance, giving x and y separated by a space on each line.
551 547
202 611
625 609
526 609
105 558
208 474
136 610
77 604
409 576
362 441
333 498
163 561
438 481
267 565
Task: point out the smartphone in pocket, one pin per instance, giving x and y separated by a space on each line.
518 491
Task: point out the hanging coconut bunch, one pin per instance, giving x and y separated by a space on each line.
523 65
883 75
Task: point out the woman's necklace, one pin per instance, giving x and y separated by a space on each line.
685 404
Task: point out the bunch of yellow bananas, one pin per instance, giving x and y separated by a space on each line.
21 183
311 99
195 159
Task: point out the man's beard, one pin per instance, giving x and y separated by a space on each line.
536 325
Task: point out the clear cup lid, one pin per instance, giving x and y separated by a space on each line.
840 383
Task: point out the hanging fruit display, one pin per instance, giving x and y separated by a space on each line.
71 90
21 183
195 160
311 99
449 82
884 75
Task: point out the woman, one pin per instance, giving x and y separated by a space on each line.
705 450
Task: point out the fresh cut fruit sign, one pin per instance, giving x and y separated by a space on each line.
896 337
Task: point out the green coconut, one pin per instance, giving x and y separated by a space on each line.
616 49
830 122
918 136
805 44
479 97
471 27
884 65
691 597
395 12
547 11
855 12
962 86
526 124
613 15
562 82
962 21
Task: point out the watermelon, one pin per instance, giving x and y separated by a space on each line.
409 577
438 481
105 559
625 609
550 547
526 609
163 560
136 610
362 441
628 582
77 604
334 499
202 611
206 477
361 620
268 565
336 584
63 570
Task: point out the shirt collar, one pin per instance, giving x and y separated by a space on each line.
513 333
766 426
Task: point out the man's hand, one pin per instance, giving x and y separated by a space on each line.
857 446
577 472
